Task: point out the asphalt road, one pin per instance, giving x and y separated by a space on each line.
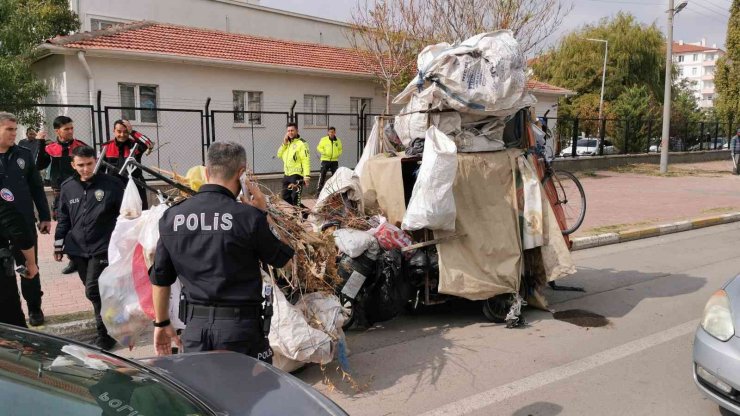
450 361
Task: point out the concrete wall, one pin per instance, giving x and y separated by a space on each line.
595 163
227 15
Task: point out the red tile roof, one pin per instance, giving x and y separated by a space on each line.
686 48
538 86
174 40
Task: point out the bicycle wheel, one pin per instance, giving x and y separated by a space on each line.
566 190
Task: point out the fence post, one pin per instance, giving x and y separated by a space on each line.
716 133
100 117
701 136
686 137
361 131
649 135
291 117
574 141
602 136
626 136
205 139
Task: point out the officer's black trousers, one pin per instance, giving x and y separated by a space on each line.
90 269
326 167
239 335
292 196
10 301
31 288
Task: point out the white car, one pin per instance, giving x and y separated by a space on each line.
589 147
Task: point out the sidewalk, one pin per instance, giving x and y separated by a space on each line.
626 198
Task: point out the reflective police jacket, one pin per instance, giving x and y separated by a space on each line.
20 183
12 229
296 158
61 161
330 150
87 214
117 152
215 245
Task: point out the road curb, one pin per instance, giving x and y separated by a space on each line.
74 329
582 243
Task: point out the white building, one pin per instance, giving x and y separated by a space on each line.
236 16
149 68
696 63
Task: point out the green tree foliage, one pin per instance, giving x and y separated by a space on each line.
636 59
727 75
636 112
23 25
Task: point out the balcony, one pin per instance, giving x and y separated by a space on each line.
707 90
708 77
706 103
709 63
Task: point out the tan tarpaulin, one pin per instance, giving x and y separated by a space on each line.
487 260
382 186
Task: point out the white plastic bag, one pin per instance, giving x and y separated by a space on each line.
131 206
353 242
432 204
376 143
343 180
532 221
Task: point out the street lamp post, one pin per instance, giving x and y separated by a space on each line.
664 140
603 77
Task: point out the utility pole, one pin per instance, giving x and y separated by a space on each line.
603 77
665 139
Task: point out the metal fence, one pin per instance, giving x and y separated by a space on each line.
633 136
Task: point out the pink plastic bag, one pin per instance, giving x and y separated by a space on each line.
389 237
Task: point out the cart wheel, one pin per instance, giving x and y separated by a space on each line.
349 304
496 308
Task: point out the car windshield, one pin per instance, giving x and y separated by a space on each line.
42 376
586 143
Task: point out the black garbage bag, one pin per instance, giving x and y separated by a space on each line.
416 267
386 296
416 148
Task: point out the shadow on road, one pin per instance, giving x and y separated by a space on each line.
539 409
630 286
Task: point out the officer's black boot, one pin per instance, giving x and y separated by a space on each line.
69 268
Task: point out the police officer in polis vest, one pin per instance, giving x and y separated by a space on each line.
216 245
13 230
89 204
20 184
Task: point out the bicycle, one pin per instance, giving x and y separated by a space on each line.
563 189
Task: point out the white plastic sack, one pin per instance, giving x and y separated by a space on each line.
343 180
532 221
485 73
375 144
124 291
353 242
149 234
131 206
432 204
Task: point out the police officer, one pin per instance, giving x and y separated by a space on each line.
36 143
13 230
88 207
330 150
60 153
296 164
215 244
20 183
119 149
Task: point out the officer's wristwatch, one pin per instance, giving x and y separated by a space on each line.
162 324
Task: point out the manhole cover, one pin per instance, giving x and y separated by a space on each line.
581 318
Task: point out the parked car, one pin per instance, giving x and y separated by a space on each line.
719 144
46 375
717 348
589 147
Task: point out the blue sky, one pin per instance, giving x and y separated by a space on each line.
700 19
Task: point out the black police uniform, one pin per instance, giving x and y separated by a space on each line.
38 151
20 183
13 231
87 216
215 245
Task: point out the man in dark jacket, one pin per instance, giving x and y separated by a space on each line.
60 153
36 143
20 184
119 149
13 231
88 207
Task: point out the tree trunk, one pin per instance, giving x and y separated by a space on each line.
387 97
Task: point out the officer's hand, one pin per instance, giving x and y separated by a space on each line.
45 227
306 181
163 339
58 256
31 271
286 139
41 135
258 198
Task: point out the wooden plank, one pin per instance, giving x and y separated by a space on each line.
432 242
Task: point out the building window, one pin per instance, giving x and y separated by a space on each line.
680 72
680 58
355 105
251 102
139 102
100 24
694 71
709 70
696 57
316 104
